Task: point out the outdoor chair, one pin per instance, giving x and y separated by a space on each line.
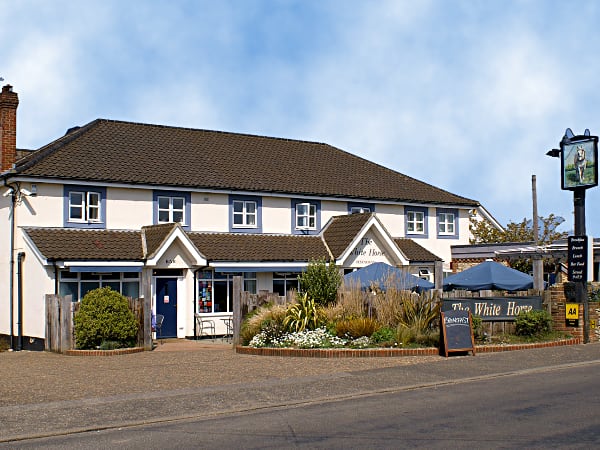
158 326
206 327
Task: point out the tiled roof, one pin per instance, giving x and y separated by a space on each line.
124 152
75 244
155 235
414 251
340 232
258 247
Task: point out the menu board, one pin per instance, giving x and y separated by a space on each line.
457 330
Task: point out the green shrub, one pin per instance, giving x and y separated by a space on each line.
356 327
419 312
384 336
304 315
321 282
104 315
533 323
477 328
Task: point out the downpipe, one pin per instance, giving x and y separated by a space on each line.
20 258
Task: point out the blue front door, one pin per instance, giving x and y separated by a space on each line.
166 304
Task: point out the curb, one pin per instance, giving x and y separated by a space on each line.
390 352
115 352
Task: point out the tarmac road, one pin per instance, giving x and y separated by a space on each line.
44 394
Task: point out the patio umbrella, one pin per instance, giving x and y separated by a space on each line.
378 273
489 275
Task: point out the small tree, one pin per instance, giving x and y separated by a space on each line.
104 316
321 281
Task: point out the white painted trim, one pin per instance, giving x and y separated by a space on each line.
388 240
178 233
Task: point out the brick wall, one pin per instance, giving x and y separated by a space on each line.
557 305
8 127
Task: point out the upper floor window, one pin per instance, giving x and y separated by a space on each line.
446 220
305 216
85 207
416 221
245 213
358 208
172 207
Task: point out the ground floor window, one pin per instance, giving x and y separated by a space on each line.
284 282
215 290
77 284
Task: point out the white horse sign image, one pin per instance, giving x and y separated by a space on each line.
579 163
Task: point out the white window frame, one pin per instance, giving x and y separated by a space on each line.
446 224
171 210
360 210
244 214
309 216
88 207
412 219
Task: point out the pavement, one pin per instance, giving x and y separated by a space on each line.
48 394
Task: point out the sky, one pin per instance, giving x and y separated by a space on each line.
465 95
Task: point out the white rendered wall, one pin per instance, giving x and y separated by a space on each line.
331 208
210 212
276 215
392 218
128 209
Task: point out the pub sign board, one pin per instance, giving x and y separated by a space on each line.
494 309
577 251
579 162
457 331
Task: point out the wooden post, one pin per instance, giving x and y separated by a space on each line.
237 308
66 323
147 307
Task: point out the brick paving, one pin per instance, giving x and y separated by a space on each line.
39 377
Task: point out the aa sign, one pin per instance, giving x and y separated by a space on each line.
572 314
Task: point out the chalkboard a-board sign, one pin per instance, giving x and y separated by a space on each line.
457 331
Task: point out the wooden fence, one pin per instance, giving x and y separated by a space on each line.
60 332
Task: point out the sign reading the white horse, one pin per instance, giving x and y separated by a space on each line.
579 163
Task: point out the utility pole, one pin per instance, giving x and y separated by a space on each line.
538 265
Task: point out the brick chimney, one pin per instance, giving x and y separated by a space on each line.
9 101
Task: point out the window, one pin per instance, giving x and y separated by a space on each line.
84 207
359 208
245 214
284 282
171 209
306 216
78 284
416 221
447 224
215 290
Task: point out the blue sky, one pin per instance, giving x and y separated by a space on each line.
465 95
